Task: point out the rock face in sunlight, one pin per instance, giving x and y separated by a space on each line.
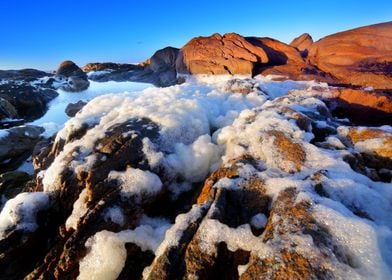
361 56
72 77
227 54
303 43
224 177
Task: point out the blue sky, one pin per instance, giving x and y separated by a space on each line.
42 33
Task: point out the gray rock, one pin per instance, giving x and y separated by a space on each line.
28 99
73 108
7 110
12 183
18 145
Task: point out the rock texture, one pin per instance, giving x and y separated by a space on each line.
72 77
361 56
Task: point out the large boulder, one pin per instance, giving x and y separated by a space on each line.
361 56
216 54
164 59
72 77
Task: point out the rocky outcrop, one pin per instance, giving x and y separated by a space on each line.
362 107
72 77
28 100
163 66
108 66
234 54
23 74
361 56
17 145
302 43
158 70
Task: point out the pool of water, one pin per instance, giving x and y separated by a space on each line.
55 117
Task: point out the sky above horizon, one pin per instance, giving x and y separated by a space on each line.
42 33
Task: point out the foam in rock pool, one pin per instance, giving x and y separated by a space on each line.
183 113
20 212
193 161
357 239
134 181
107 254
79 210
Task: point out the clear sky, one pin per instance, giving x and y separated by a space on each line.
42 33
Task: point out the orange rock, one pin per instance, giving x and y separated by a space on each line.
303 42
228 54
362 107
384 149
361 56
370 99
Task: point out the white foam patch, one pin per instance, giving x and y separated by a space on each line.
20 212
357 239
106 250
78 211
134 181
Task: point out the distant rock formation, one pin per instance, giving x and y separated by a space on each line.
73 78
359 57
158 70
302 43
96 66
